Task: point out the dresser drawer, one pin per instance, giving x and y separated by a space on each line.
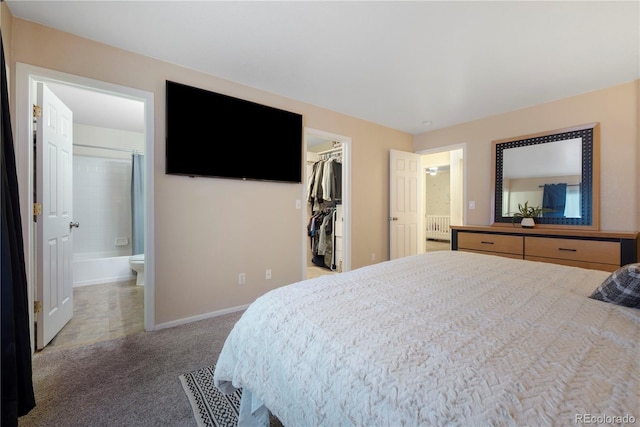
491 243
594 251
601 250
574 263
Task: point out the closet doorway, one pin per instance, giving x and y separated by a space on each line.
326 206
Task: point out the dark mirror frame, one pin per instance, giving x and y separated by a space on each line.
590 189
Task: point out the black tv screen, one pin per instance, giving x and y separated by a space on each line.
214 135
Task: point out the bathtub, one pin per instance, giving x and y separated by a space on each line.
93 271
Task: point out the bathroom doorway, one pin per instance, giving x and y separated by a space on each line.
101 158
108 155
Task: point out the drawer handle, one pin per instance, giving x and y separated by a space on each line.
567 250
486 243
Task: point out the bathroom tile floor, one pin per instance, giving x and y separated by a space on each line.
102 312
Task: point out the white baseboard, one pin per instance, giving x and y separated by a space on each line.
209 315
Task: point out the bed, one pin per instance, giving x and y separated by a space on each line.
440 338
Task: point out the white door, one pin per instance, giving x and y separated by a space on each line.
405 187
54 140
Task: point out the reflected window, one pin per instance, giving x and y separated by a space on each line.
572 206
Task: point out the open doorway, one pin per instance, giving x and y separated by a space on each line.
326 204
108 189
443 174
27 77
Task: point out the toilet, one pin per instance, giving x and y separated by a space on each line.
136 263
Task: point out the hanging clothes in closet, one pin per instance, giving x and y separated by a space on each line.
321 229
325 183
324 193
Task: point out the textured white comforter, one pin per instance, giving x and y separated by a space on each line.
441 338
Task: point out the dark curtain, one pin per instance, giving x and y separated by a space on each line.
17 387
554 197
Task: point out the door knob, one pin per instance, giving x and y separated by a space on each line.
74 224
393 218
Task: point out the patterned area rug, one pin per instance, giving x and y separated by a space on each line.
210 406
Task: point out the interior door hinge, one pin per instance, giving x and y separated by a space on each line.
37 111
37 306
37 209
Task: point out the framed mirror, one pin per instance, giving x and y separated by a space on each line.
558 170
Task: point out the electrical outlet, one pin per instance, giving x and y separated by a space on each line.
267 274
373 256
242 279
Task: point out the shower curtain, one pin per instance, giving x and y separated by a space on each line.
17 386
137 203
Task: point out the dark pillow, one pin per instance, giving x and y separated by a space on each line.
622 287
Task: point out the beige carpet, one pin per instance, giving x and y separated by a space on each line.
129 381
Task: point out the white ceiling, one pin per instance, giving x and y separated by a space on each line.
413 66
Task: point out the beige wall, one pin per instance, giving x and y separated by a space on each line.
209 230
616 108
5 25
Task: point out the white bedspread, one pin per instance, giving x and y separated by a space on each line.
440 338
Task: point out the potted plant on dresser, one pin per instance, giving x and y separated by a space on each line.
528 213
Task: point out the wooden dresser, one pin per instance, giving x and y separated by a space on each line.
599 250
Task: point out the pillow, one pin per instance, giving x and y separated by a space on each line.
622 287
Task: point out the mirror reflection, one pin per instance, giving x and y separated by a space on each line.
547 175
557 170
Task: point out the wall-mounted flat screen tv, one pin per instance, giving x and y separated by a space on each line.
214 135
